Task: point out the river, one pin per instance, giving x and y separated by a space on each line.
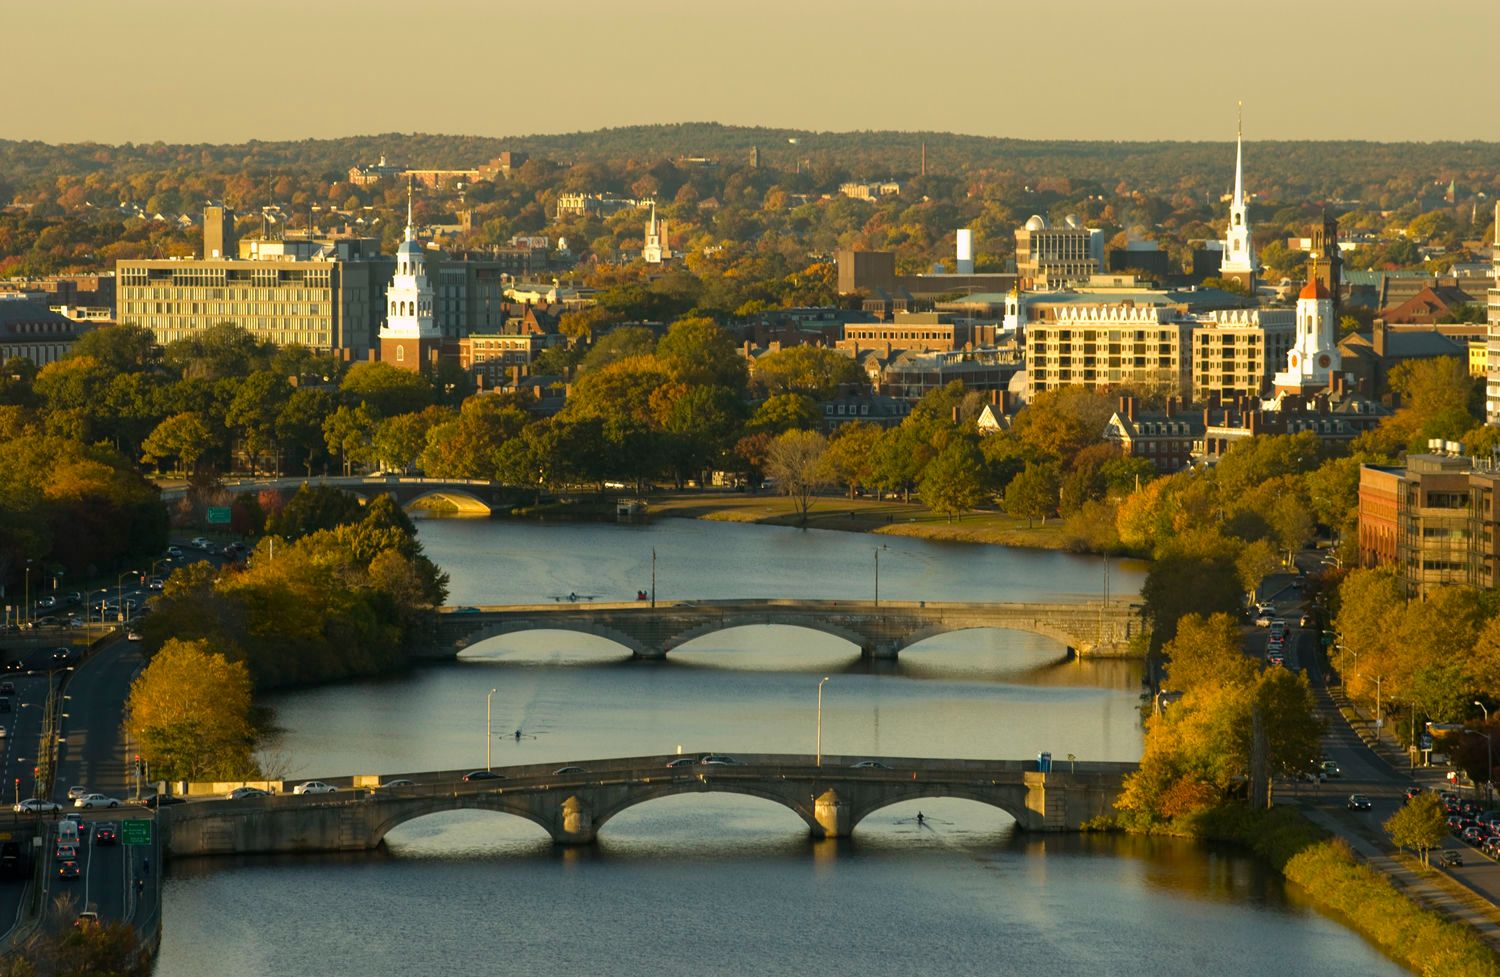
724 884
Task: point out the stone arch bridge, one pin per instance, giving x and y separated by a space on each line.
471 497
572 802
879 630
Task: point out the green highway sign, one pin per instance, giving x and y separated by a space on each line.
218 515
135 831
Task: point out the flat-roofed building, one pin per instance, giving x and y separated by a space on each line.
928 332
1144 348
1054 255
1238 351
496 358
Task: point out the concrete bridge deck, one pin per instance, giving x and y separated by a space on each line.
879 630
832 798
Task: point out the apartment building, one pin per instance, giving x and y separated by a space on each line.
1238 351
1145 348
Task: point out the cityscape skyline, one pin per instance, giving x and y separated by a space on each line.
1130 77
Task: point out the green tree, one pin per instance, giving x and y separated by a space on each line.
784 412
1420 824
851 455
1033 493
697 352
953 482
385 389
185 437
123 348
349 433
817 371
620 343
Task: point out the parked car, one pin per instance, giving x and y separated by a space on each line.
314 787
1359 802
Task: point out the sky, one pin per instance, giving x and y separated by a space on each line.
223 71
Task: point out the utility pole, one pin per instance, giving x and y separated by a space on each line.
653 576
877 578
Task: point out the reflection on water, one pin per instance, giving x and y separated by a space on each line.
720 884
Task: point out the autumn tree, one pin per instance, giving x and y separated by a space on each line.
795 459
1421 824
189 713
1033 493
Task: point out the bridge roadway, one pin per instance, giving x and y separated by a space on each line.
832 798
879 630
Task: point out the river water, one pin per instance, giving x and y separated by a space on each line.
724 884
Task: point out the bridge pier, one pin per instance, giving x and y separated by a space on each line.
880 651
834 815
574 825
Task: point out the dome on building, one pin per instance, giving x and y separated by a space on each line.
1036 223
1313 290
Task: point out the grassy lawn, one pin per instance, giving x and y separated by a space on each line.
890 517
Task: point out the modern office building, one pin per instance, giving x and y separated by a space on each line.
1047 255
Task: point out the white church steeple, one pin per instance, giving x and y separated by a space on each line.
1314 357
1238 259
408 304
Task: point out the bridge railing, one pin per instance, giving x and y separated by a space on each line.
753 604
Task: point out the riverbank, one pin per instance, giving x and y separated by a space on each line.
886 517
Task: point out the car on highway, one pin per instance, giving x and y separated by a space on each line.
869 765
314 787
132 634
76 792
200 543
567 770
87 918
46 603
106 834
718 760
155 583
65 852
682 761
483 775
163 800
67 870
1262 620
1331 769
174 552
240 793
1359 802
96 800
398 782
36 805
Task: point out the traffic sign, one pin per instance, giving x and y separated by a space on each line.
135 831
218 515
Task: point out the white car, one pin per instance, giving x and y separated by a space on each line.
96 800
2 732
76 792
201 542
314 787
35 805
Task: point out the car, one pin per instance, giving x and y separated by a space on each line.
682 761
76 792
718 760
77 622
870 765
7 687
199 542
563 770
1331 769
1262 621
398 782
315 787
2 732
65 852
106 834
96 800
155 583
1267 609
67 870
1452 858
1359 802
36 805
174 552
132 635
46 603
483 775
240 793
1412 792
163 800
87 918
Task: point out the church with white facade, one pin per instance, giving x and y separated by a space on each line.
409 339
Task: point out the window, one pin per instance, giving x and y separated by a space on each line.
400 354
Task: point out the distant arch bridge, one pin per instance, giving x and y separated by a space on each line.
465 496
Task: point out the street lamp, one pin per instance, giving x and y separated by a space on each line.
26 602
489 728
820 720
1489 746
120 591
877 578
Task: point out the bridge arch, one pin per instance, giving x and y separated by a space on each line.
576 625
1068 641
447 500
806 622
421 807
1011 801
679 788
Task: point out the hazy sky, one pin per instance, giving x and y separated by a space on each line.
226 71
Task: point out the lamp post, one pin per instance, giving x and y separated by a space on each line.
653 576
1489 748
26 596
820 720
489 728
1379 722
877 578
120 591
